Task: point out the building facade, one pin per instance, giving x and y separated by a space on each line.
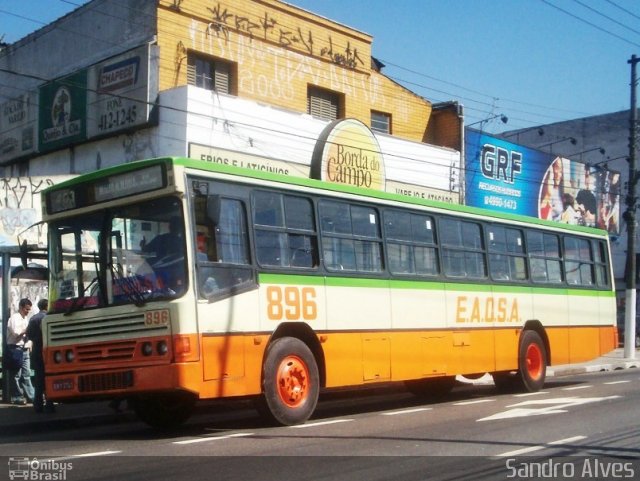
256 83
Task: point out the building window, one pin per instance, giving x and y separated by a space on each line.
380 122
323 104
211 74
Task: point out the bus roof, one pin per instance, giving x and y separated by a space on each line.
316 184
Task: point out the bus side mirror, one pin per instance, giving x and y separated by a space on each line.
213 209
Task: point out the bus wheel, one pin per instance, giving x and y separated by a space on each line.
532 361
432 388
164 411
290 386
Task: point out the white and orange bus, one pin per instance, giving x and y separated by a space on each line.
173 280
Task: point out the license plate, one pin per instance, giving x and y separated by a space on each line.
63 385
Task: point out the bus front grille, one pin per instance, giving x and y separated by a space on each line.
108 381
79 329
108 351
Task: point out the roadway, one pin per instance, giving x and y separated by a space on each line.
474 433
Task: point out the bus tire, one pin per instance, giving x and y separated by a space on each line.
165 411
532 361
290 384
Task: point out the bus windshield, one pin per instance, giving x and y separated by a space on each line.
126 255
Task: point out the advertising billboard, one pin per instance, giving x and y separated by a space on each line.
62 112
511 178
18 126
121 91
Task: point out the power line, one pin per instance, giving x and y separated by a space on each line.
606 16
590 23
480 111
622 8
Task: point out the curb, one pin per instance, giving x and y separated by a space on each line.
571 370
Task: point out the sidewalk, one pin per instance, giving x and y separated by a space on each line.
609 362
16 419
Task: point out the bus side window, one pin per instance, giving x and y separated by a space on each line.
578 261
507 256
231 238
600 258
462 249
285 230
227 250
544 257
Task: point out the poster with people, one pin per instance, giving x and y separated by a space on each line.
512 178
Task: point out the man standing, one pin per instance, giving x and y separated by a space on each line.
34 333
16 339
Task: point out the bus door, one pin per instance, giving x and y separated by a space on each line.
225 285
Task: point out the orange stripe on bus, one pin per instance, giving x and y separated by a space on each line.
231 365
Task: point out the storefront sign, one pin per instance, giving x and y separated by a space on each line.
121 92
62 112
348 153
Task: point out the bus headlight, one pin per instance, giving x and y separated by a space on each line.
162 348
147 349
57 357
69 355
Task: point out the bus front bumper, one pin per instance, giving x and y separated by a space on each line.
121 382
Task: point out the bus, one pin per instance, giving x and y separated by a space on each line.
174 280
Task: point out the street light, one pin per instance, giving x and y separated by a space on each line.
540 131
599 149
606 161
503 118
549 144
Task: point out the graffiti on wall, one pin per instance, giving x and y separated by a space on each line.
34 291
284 67
224 22
20 206
137 145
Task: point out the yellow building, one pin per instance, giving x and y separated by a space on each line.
256 83
275 53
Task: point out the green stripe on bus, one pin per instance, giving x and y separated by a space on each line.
289 279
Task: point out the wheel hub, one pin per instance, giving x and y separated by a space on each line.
534 361
292 381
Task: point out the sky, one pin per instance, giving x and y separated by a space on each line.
533 61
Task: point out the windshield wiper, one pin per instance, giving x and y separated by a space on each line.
128 285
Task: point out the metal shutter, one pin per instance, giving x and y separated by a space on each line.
322 104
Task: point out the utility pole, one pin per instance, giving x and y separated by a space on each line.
630 219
